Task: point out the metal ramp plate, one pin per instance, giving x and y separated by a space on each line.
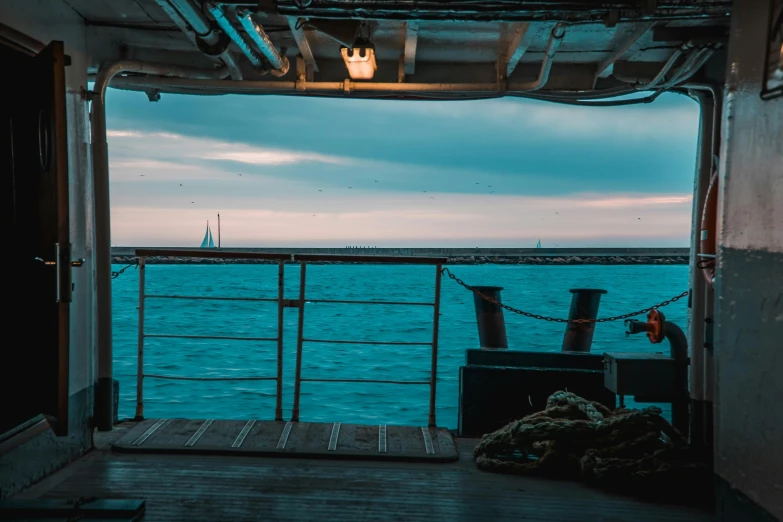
289 439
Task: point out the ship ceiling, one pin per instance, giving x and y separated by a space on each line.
604 45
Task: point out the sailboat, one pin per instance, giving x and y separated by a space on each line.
208 242
538 245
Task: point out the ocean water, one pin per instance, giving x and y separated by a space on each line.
539 289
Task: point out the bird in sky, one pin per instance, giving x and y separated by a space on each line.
181 185
319 190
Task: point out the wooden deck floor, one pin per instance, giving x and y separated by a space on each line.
197 487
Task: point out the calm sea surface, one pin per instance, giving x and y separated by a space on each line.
540 289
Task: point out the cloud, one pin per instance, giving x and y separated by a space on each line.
335 172
449 219
638 148
160 145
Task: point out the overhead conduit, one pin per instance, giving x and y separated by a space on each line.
197 27
255 32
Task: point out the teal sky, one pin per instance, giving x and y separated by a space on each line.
285 171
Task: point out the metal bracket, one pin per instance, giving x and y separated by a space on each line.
86 94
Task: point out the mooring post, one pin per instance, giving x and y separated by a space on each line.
584 305
489 318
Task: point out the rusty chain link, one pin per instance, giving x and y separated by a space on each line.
115 275
557 319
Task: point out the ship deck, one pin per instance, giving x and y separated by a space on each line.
203 487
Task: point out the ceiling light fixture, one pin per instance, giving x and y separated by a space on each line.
360 58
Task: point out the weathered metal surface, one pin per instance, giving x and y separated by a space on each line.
489 318
584 305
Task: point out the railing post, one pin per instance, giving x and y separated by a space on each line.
280 311
435 328
140 356
299 341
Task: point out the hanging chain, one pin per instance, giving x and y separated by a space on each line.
557 319
115 275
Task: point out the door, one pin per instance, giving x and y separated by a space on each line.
34 354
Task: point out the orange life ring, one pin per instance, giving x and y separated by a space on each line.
709 218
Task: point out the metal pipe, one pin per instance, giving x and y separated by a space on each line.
435 331
196 19
227 27
695 62
197 28
558 33
584 305
256 33
662 73
678 343
280 324
100 171
489 318
140 353
698 285
299 342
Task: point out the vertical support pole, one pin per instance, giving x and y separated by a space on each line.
435 329
299 341
280 312
489 318
140 353
584 305
697 301
218 230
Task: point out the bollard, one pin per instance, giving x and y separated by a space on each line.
584 305
489 318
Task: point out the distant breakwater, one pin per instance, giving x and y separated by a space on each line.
456 260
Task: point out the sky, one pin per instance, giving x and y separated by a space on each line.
328 172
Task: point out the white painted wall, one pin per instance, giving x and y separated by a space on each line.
35 19
749 288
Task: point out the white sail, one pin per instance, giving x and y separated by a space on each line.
205 243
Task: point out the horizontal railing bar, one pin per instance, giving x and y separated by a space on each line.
402 260
395 343
178 378
369 302
207 298
213 337
212 254
377 381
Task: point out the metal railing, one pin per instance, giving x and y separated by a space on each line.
432 382
142 255
282 303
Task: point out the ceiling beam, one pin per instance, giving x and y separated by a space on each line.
516 47
606 66
304 46
411 41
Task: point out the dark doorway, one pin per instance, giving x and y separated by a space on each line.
34 352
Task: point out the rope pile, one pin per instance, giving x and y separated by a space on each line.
574 438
